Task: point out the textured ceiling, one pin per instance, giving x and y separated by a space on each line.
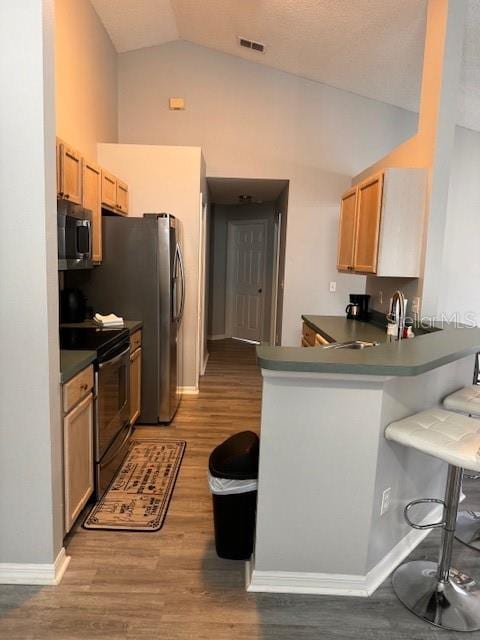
228 190
370 47
134 24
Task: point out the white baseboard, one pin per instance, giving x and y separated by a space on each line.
338 584
222 336
45 574
188 391
204 364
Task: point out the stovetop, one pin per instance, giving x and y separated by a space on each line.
91 338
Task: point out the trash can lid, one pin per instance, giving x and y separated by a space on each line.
236 458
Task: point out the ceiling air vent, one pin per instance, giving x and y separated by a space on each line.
250 44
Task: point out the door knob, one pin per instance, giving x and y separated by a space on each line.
259 291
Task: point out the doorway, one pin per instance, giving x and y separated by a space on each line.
247 232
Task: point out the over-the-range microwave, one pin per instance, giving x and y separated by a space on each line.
74 225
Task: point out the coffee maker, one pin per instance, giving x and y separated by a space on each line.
358 307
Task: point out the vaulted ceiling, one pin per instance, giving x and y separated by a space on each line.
370 47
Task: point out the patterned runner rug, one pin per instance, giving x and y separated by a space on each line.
138 498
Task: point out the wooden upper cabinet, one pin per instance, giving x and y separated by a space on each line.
109 189
346 231
92 197
381 224
70 174
369 209
122 197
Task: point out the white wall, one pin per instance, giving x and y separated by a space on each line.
252 121
30 429
85 77
460 288
167 179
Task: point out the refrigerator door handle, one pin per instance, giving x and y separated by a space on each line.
182 277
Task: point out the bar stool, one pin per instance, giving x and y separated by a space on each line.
436 592
467 400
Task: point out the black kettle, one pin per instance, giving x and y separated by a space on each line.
73 306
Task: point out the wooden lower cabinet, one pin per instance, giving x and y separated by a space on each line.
78 453
311 338
135 384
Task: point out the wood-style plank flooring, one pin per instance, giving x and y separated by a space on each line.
170 584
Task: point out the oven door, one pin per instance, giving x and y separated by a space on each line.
108 466
113 402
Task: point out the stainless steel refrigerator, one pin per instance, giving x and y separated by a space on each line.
142 278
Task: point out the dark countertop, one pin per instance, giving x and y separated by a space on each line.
131 325
405 358
339 329
72 362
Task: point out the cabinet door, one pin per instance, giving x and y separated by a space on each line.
346 231
70 178
92 195
122 197
78 459
57 159
369 207
135 384
109 189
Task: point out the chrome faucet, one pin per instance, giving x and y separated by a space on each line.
398 301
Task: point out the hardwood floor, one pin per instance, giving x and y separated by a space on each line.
171 585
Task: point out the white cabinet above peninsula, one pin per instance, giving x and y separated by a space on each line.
381 224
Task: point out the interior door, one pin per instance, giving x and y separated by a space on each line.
247 247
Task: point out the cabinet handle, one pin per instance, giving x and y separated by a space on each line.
84 387
65 195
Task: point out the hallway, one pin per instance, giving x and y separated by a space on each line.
170 584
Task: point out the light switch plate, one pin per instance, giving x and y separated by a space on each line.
386 499
333 287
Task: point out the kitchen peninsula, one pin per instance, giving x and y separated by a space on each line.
331 489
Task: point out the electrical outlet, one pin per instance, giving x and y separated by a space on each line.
333 287
386 499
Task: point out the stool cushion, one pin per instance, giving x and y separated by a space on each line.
449 436
466 400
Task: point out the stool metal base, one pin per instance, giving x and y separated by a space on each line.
454 605
468 529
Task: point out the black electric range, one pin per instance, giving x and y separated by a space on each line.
102 340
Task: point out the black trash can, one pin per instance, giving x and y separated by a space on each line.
233 467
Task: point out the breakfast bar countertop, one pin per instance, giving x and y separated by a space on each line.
409 357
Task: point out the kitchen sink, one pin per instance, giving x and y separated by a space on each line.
352 344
